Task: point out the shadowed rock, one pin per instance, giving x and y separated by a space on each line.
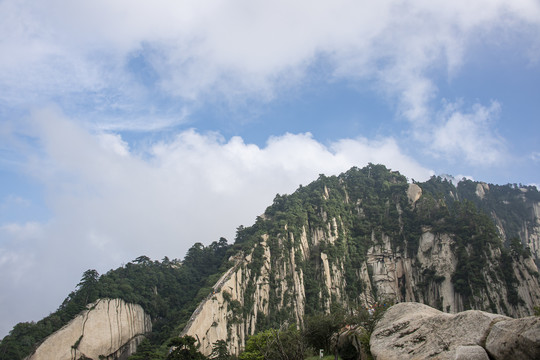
515 339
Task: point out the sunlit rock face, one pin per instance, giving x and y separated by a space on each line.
223 316
413 193
108 329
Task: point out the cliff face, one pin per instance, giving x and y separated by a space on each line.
515 210
108 329
528 225
336 243
427 278
386 275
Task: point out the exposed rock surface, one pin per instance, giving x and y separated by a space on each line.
522 207
481 189
471 352
531 229
417 331
413 193
214 317
108 329
515 339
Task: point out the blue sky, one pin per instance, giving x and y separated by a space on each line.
131 128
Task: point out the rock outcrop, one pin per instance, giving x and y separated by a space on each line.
417 331
353 240
216 317
413 193
515 211
109 329
471 352
427 277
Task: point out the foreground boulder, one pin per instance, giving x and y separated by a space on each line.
108 329
515 339
417 331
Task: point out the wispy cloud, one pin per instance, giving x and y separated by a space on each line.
468 136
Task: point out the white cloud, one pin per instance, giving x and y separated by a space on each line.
30 230
114 144
242 48
12 201
89 57
468 136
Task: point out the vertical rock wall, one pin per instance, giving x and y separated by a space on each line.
386 274
407 279
276 288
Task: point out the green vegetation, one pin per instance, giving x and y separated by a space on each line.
336 333
184 348
276 344
510 203
220 351
470 218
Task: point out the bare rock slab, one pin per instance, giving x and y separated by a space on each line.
417 331
107 329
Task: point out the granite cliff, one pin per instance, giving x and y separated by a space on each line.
109 329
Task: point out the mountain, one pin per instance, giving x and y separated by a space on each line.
367 235
344 241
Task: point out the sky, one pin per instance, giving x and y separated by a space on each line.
133 128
